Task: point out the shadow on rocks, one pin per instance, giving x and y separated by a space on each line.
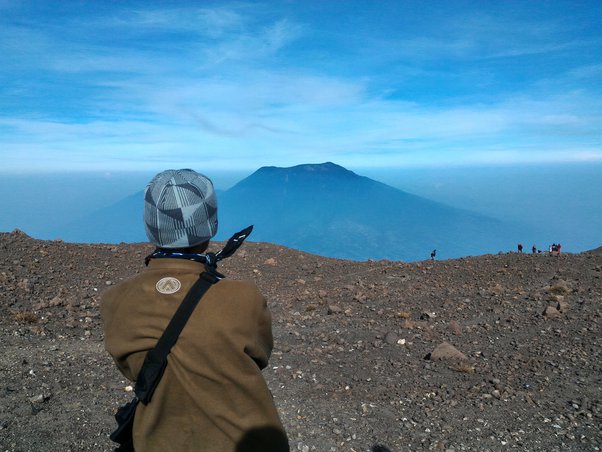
268 439
380 448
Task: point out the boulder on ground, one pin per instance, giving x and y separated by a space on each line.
563 306
333 309
446 351
551 312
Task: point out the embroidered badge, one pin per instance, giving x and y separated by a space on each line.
168 285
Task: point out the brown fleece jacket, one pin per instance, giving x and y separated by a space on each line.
212 392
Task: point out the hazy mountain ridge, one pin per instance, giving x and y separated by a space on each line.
328 210
324 209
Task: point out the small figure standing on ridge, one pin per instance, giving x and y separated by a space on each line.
534 249
433 254
520 247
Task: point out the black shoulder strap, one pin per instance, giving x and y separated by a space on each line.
156 358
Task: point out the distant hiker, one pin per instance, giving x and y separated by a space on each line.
433 254
520 247
534 249
558 248
211 394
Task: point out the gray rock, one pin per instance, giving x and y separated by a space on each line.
551 312
391 338
25 409
37 399
333 309
446 351
562 306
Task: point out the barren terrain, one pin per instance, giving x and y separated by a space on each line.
495 352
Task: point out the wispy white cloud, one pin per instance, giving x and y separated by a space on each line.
248 46
213 22
213 36
587 71
481 35
288 132
225 90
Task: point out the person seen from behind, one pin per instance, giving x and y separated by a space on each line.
212 395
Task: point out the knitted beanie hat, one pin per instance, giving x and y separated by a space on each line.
180 209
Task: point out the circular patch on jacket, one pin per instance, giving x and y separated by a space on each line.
168 285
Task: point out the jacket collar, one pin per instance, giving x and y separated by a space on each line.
176 264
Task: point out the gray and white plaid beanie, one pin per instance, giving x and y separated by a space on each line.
180 209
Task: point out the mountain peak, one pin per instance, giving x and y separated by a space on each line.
327 168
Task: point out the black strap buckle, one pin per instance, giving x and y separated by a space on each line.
211 276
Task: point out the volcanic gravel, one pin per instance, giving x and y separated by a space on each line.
494 352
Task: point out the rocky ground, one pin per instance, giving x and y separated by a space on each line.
496 352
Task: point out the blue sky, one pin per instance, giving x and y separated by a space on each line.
138 85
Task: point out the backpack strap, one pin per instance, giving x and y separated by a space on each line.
156 358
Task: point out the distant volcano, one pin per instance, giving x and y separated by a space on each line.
328 210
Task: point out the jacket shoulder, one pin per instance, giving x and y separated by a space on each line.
240 287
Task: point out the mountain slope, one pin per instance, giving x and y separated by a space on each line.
323 209
328 210
119 222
